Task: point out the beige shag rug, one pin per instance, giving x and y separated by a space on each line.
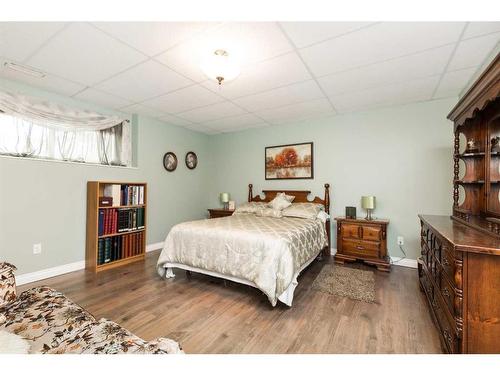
346 282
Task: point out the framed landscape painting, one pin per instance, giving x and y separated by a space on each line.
288 162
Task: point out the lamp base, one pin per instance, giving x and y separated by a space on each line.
368 214
226 206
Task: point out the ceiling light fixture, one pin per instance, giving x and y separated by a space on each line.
24 69
220 67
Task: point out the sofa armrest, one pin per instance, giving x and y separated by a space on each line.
7 283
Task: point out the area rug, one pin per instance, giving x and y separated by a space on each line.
346 282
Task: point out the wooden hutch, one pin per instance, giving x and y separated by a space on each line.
459 269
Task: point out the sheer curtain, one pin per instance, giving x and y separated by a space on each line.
30 127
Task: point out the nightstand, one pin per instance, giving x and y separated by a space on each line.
218 212
363 239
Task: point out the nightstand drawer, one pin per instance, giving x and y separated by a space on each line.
362 248
351 231
372 233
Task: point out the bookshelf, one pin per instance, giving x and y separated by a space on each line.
116 229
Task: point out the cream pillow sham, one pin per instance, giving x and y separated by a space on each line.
249 207
303 210
281 201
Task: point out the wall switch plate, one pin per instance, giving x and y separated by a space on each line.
401 240
37 248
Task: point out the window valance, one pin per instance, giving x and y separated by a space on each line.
55 115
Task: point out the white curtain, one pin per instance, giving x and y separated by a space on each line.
32 127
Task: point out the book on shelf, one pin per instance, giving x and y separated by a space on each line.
111 249
114 191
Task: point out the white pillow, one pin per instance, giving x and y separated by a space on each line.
13 344
269 212
303 210
249 207
280 202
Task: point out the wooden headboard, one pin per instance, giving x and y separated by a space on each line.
300 196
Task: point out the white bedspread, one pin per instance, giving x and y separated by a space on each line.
267 252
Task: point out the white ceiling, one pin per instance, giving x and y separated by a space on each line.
289 71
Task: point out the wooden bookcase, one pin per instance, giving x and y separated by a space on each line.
95 189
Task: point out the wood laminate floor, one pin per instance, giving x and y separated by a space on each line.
207 316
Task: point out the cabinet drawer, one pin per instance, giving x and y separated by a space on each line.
371 233
447 329
361 248
350 230
448 264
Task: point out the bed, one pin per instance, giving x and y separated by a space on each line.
267 253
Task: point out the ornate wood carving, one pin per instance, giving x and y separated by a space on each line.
484 90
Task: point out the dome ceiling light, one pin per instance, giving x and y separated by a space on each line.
220 67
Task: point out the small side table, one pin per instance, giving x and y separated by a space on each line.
363 239
218 212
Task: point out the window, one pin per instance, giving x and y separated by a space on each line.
19 137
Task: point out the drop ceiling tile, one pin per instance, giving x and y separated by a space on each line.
234 122
18 40
306 33
174 120
266 75
453 83
151 38
377 43
184 99
143 110
424 64
49 82
144 81
211 112
297 112
473 52
201 129
295 93
481 28
396 94
84 54
102 98
247 42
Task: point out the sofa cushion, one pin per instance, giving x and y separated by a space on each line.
7 283
107 337
44 317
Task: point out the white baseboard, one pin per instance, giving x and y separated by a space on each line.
397 261
49 272
31 277
154 246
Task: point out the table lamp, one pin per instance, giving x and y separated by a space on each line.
224 198
368 203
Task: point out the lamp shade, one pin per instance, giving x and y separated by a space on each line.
368 202
224 197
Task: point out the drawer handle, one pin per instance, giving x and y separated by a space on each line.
446 292
360 247
447 335
445 262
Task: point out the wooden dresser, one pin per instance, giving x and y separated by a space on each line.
459 272
219 212
362 239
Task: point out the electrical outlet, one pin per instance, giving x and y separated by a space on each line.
401 240
37 248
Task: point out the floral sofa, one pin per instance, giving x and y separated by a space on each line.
52 323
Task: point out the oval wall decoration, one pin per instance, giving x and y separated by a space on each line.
191 160
170 161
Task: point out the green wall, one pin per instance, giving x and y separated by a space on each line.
402 155
45 202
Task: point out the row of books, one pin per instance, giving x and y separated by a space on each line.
120 247
111 249
132 195
118 220
125 195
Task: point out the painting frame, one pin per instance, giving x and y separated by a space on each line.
291 145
